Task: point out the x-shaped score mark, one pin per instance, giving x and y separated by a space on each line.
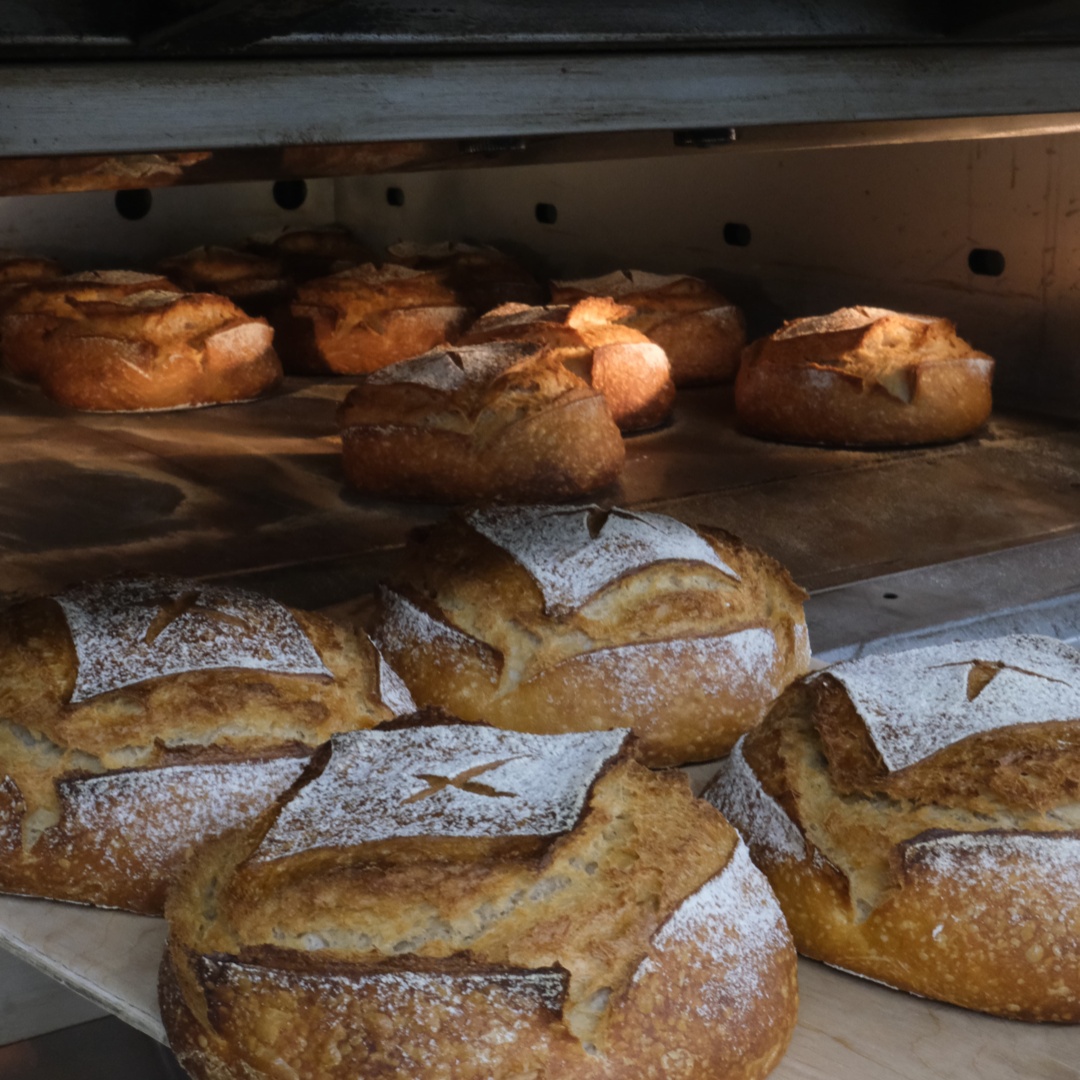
175 608
463 781
983 672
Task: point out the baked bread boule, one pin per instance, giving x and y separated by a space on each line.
918 815
140 716
504 421
18 270
312 251
630 371
863 376
445 900
255 283
157 350
359 320
41 306
547 619
699 329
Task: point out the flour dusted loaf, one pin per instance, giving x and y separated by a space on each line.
139 716
632 373
701 331
364 318
504 421
546 619
41 306
453 901
918 815
863 376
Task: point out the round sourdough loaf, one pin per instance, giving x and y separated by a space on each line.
139 716
863 376
312 251
538 618
701 332
918 815
40 307
504 421
359 320
17 271
157 350
255 283
440 900
632 373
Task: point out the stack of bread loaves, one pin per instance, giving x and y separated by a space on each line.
437 899
140 716
918 815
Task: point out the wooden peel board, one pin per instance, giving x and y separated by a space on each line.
849 1028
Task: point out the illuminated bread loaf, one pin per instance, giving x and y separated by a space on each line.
701 331
362 319
447 900
630 371
139 716
863 376
481 422
547 619
918 815
40 307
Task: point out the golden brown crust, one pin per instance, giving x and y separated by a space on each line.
640 944
255 283
524 429
685 654
157 350
863 377
631 372
699 329
360 320
39 308
184 755
945 878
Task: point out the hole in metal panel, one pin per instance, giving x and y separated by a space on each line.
395 196
290 194
986 261
889 596
133 204
736 234
547 213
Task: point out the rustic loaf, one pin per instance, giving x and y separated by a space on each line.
312 251
630 371
448 900
701 331
547 619
41 306
255 283
480 422
362 319
138 716
863 376
918 815
157 350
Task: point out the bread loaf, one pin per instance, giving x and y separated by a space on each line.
312 251
255 283
40 307
918 815
554 619
630 371
360 320
157 350
139 716
447 900
701 332
482 422
863 376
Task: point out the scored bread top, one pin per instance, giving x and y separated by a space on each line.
659 294
430 781
128 631
916 703
574 552
456 368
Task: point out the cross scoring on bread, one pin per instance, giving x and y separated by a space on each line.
173 608
463 781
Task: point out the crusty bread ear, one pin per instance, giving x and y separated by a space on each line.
518 904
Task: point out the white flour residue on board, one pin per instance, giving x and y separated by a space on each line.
574 552
735 927
916 703
128 631
738 795
442 780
